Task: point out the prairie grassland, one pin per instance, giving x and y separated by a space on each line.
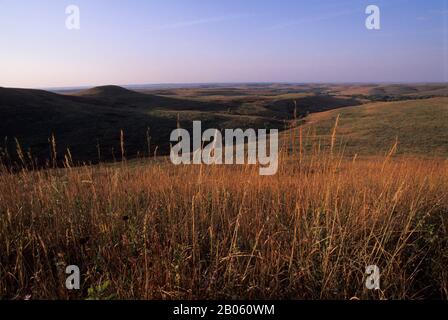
420 126
151 230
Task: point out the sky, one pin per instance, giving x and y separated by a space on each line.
202 41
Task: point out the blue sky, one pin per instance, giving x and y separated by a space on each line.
195 41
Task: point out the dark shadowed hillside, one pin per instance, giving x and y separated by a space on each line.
310 104
106 91
79 123
116 96
89 123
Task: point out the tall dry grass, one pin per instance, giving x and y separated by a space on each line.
150 230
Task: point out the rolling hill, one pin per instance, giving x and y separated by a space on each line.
89 122
419 126
406 90
106 91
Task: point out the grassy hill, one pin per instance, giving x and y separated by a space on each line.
89 122
153 230
410 90
106 91
420 127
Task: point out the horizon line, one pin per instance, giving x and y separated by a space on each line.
226 83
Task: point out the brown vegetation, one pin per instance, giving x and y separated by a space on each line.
150 230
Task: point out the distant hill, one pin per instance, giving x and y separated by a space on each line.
78 123
410 90
89 122
116 96
310 104
106 91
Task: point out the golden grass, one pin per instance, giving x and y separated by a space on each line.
420 126
155 231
